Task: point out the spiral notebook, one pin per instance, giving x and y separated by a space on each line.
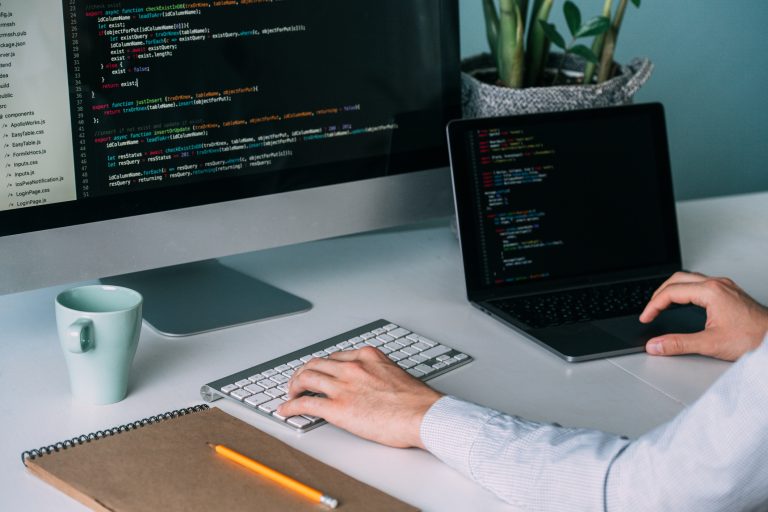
163 463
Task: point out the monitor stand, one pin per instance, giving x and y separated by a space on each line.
197 297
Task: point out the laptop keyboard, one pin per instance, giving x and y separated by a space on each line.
581 305
262 388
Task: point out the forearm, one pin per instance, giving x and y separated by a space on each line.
531 465
710 457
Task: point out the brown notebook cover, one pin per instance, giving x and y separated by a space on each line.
167 465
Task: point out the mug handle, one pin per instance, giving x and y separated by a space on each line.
79 336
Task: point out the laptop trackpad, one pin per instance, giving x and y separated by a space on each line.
682 320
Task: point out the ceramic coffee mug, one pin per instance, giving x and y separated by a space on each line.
99 330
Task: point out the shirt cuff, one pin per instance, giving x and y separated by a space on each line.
449 430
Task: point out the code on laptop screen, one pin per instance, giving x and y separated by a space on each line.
566 196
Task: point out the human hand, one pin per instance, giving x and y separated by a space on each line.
365 393
735 323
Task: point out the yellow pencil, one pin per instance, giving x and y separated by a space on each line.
275 476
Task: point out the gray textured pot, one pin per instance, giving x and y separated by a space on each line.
480 99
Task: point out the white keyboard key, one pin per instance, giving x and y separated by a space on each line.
275 392
269 373
306 359
378 331
404 341
375 342
409 350
258 399
428 341
399 332
267 383
413 337
295 363
416 373
279 416
386 338
320 353
242 383
253 388
397 355
298 421
280 378
423 368
439 366
255 378
282 368
461 356
229 388
360 345
443 357
356 339
289 373
420 346
367 335
283 387
272 405
435 351
389 327
332 349
313 419
393 346
384 350
405 363
345 344
418 358
240 394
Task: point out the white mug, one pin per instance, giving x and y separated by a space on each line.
99 329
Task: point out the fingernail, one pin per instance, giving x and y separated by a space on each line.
654 347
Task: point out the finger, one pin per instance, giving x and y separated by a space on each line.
703 342
312 381
679 278
311 364
310 405
323 364
684 293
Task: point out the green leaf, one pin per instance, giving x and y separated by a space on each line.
552 34
636 2
572 17
593 27
584 52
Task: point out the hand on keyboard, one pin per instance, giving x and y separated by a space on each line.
263 388
365 393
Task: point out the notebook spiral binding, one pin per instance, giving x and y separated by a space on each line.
100 434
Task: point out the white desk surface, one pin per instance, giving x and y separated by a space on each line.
412 277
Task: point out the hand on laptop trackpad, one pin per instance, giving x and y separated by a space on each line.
684 319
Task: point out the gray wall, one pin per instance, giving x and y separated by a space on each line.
711 74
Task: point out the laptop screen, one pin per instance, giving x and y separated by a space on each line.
569 197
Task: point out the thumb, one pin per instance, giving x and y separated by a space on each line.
702 342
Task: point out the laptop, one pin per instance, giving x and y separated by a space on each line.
567 226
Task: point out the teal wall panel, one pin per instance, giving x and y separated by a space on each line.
711 74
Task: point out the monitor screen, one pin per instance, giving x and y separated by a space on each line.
128 107
142 136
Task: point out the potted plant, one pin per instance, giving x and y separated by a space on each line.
521 75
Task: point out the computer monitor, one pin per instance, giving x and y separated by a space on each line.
139 136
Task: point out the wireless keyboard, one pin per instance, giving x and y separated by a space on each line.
262 388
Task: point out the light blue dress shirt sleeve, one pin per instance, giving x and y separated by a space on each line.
712 457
